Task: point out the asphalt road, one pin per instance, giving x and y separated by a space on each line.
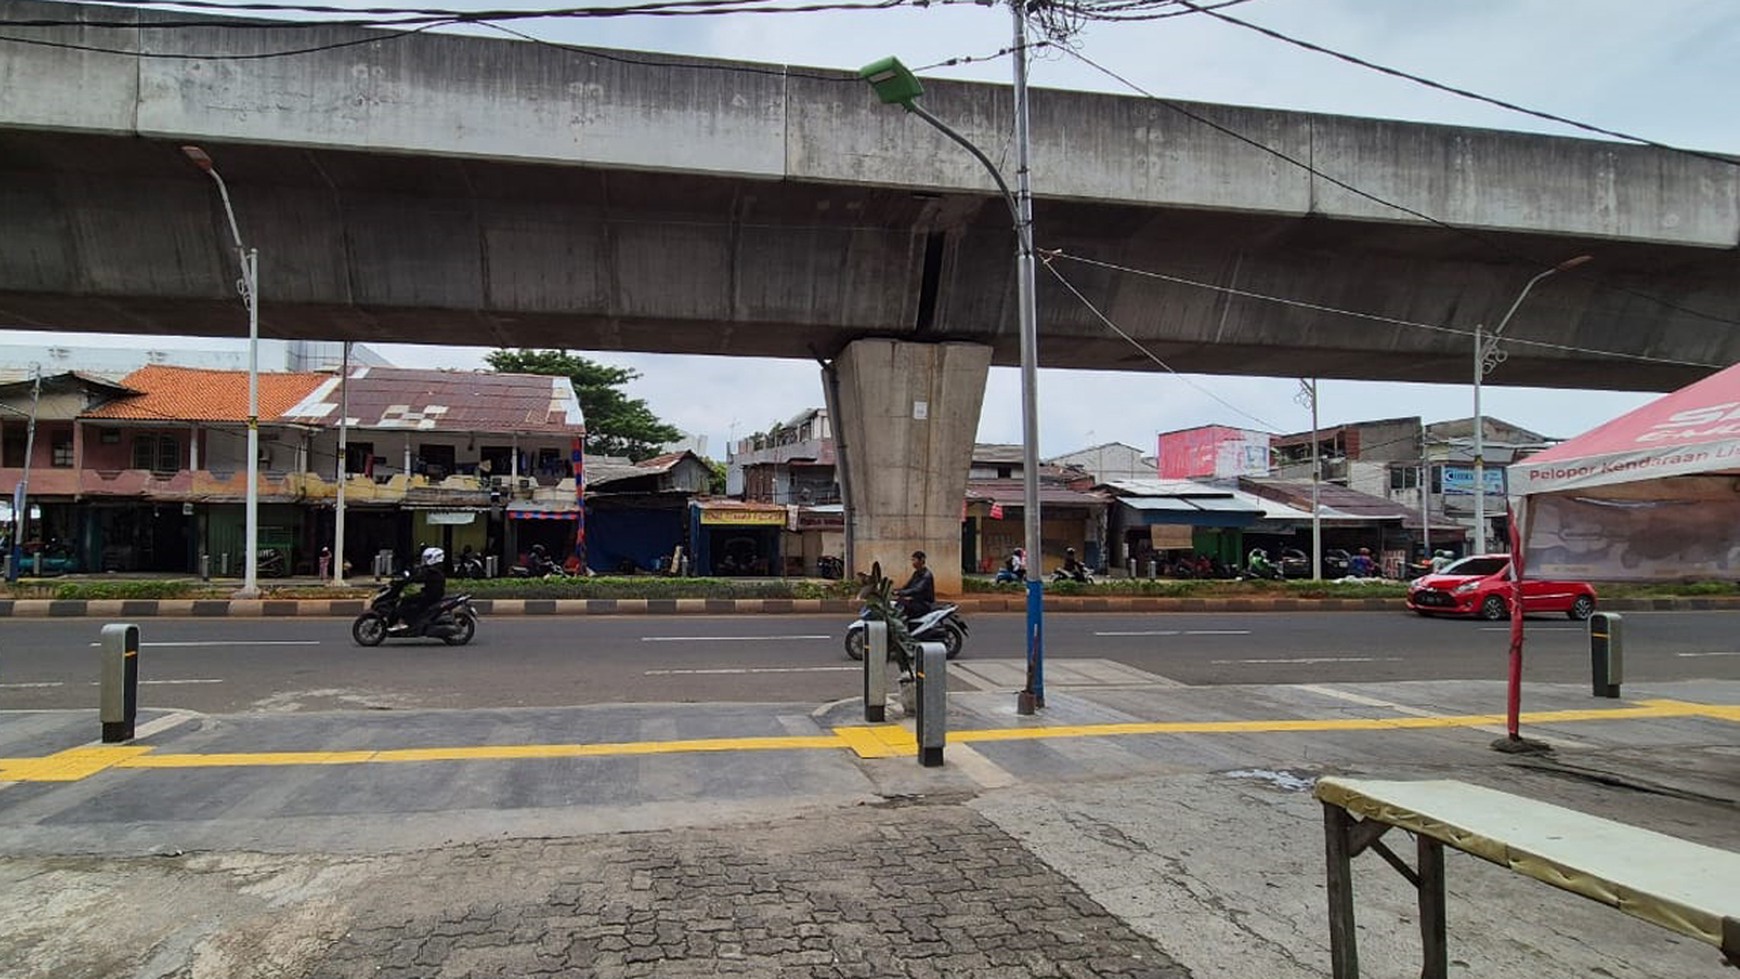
240 665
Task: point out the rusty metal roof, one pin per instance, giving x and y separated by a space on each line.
453 401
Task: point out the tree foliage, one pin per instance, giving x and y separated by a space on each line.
616 425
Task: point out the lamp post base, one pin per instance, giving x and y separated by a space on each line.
245 593
1026 703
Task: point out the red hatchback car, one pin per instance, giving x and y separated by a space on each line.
1480 585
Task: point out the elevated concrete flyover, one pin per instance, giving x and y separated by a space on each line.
463 190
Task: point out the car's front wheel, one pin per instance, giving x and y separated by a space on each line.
1581 609
1494 609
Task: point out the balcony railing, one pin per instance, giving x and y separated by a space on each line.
231 486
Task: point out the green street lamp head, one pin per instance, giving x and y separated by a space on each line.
894 83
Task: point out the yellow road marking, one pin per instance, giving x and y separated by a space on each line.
865 741
505 752
878 741
67 766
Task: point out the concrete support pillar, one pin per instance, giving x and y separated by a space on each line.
909 413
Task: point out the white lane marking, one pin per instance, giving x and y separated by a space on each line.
726 638
94 683
1706 654
1364 701
1312 659
231 642
162 724
987 773
1180 632
755 669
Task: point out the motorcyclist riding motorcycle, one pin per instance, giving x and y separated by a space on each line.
918 595
1072 570
431 574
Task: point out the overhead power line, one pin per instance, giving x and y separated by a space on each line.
1374 317
1497 246
197 56
1212 11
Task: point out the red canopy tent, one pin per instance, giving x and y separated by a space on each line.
1653 495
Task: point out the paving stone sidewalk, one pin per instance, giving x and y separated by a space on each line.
896 890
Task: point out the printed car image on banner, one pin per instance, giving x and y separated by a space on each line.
1648 540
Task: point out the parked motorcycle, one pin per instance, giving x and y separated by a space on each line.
941 624
272 563
453 620
468 566
538 566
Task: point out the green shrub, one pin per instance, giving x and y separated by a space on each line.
101 590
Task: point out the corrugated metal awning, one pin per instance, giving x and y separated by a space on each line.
1167 503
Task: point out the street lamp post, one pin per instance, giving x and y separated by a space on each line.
896 85
1488 355
249 259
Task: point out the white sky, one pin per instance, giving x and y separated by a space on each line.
1668 70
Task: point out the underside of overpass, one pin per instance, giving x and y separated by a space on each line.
122 234
457 190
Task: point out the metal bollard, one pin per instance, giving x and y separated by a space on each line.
119 672
1153 569
933 702
1606 652
491 566
1132 566
876 672
204 566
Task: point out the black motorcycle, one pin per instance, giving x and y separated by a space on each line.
452 620
271 563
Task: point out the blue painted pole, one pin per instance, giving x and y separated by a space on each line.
1036 641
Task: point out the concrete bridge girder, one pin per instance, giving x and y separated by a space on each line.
455 189
909 414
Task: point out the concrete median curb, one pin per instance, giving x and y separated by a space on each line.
346 607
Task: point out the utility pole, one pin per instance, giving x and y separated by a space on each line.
337 579
1308 395
21 495
1425 497
1027 290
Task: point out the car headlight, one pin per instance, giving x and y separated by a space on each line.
1466 587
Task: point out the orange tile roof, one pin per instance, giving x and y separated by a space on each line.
191 394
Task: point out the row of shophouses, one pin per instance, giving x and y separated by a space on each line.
1399 487
148 472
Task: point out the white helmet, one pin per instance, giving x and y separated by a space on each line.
433 556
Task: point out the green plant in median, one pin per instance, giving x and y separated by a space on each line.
878 593
126 590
